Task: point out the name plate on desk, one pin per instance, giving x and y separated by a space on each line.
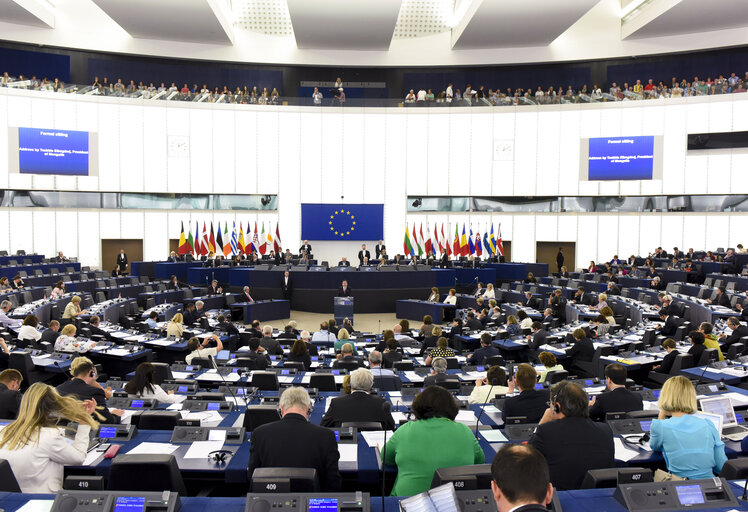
187 434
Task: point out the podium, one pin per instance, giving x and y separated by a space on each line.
343 308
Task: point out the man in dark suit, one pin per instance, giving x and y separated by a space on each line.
538 338
269 343
345 290
613 289
210 261
439 376
51 333
346 356
93 326
344 262
667 362
363 253
359 405
189 316
245 296
122 261
224 325
473 323
532 302
581 297
617 398
61 258
379 248
286 286
742 306
558 305
583 349
214 289
521 480
721 299
531 402
173 258
10 397
305 248
255 331
295 442
670 325
571 442
487 349
738 331
257 354
444 261
83 385
560 258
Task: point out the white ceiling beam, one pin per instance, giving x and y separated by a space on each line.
38 13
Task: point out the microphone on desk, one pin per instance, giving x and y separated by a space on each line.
477 423
215 366
705 368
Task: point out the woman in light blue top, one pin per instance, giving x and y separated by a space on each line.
691 445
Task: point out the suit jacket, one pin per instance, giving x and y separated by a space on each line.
474 324
228 328
271 345
122 261
358 406
209 263
428 342
261 360
667 362
378 250
617 400
738 333
83 391
345 293
530 403
213 291
307 248
243 297
49 336
390 358
98 332
538 339
697 351
572 446
613 291
189 318
535 303
10 401
172 259
582 350
583 299
362 255
480 355
294 442
670 326
286 287
558 305
723 300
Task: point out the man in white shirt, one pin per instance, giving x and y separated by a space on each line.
317 97
200 350
450 93
421 96
375 363
323 334
399 336
5 320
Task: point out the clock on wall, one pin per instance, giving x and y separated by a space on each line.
503 150
178 145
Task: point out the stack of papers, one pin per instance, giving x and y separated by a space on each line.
493 436
201 449
154 449
623 452
375 438
466 417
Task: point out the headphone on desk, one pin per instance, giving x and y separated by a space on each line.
220 456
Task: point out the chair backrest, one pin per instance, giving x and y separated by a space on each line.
556 376
387 382
682 362
22 362
736 350
450 383
493 361
188 293
159 420
362 425
265 380
323 382
162 373
294 364
230 299
146 472
709 354
735 469
452 363
403 366
257 415
8 482
349 365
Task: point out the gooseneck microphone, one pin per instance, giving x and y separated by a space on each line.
480 414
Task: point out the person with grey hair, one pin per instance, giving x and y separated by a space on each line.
5 320
375 363
294 442
439 376
360 405
346 355
269 343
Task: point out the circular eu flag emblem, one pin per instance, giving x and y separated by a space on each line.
342 223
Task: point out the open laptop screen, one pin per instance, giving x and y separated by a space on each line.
721 406
714 418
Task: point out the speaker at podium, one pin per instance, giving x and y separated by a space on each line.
342 308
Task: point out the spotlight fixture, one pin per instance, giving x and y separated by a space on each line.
265 200
417 203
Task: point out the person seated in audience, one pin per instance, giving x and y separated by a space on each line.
670 325
299 353
691 446
210 261
61 258
10 396
214 289
73 309
58 291
512 325
592 267
324 334
742 306
429 342
226 326
520 479
152 320
564 273
67 342
28 335
710 340
557 302
442 350
344 336
174 284
667 362
601 302
434 296
722 299
697 346
411 447
17 283
344 263
487 349
479 289
245 296
5 285
472 323
489 293
487 388
142 385
531 302
607 312
583 349
530 403
656 283
190 315
550 364
84 386
666 303
397 333
295 442
537 339
439 373
525 322
34 444
175 327
427 327
5 320
571 442
617 398
347 325
392 354
199 348
376 363
600 324
359 405
288 333
49 335
269 343
530 279
613 289
258 355
738 331
451 297
172 257
333 327
93 326
346 356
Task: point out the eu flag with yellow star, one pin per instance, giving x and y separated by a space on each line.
363 222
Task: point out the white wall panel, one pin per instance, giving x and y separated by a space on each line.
586 240
311 141
719 172
132 224
694 234
717 231
332 158
5 232
546 228
201 152
416 144
628 235
481 154
523 245
394 176
549 145
353 158
568 155
89 243
155 162
375 186
68 232
291 168
245 150
672 232
525 155
22 232
459 154
156 236
223 152
109 148
3 146
44 223
650 233
438 154
607 237
131 155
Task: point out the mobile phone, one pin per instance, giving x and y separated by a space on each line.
103 447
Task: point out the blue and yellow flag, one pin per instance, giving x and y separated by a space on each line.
363 222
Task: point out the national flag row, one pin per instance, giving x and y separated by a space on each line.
420 242
229 241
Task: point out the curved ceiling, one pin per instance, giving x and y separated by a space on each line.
378 32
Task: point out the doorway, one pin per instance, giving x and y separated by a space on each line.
545 252
110 249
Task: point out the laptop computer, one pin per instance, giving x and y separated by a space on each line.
722 406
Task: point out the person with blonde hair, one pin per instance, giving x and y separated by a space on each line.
34 444
73 309
84 386
343 338
601 302
175 326
67 342
691 446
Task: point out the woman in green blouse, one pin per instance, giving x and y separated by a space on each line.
435 440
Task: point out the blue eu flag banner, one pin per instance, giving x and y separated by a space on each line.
362 222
